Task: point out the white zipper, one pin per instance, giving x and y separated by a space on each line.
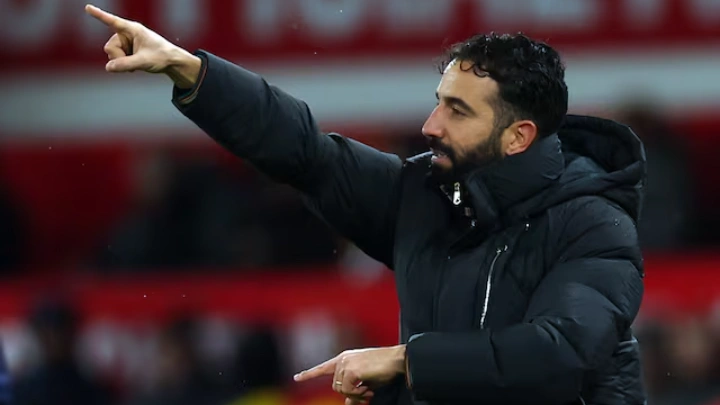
456 194
488 286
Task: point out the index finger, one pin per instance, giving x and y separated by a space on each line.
327 368
106 18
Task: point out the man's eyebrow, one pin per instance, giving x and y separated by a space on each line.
458 102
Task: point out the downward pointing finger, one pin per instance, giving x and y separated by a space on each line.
327 368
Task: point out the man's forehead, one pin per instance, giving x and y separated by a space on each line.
450 65
460 80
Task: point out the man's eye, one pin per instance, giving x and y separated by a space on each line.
455 111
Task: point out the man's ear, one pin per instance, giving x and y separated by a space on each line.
521 135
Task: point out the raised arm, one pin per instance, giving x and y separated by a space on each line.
350 185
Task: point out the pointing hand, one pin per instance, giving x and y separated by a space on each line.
136 47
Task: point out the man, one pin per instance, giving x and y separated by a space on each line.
513 241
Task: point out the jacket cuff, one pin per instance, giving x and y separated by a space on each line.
408 377
408 369
183 97
448 366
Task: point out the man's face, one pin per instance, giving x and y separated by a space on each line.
461 130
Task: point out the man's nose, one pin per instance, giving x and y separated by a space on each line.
432 126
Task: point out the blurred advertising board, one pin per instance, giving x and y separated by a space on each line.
49 32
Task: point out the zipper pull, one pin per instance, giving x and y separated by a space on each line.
456 194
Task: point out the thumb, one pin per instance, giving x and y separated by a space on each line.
126 64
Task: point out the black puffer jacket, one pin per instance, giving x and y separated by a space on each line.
517 285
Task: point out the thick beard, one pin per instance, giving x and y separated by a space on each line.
483 155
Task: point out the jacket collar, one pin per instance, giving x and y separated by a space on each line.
489 194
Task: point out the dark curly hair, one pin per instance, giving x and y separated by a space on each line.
530 77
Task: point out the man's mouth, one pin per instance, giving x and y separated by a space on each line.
437 154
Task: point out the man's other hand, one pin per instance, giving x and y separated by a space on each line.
356 372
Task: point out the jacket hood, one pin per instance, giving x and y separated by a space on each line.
603 158
587 156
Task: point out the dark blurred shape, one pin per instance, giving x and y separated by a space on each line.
297 236
260 369
190 213
667 221
58 379
179 219
146 236
13 236
5 386
179 376
691 365
260 362
653 343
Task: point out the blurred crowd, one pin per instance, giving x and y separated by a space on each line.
190 360
198 361
192 212
682 360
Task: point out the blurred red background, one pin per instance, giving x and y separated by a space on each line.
120 211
